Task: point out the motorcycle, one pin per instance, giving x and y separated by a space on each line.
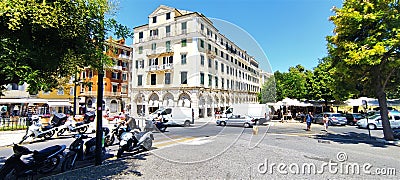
81 127
135 140
116 133
156 124
35 129
160 125
78 153
43 161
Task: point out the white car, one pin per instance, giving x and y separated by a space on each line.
237 120
375 122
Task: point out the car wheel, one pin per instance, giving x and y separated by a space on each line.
222 123
246 125
186 124
371 126
330 123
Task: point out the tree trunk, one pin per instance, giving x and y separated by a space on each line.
381 95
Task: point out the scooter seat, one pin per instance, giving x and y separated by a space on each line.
79 124
44 153
47 127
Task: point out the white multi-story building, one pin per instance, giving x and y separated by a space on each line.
181 59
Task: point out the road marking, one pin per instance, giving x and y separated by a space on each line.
198 141
291 134
172 142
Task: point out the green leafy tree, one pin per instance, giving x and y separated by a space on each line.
41 42
291 84
365 49
268 91
320 84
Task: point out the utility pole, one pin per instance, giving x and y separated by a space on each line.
99 127
75 81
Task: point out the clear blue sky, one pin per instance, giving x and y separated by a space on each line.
290 32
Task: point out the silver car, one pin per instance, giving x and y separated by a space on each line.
334 119
375 122
237 120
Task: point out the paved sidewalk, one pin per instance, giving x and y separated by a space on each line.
9 137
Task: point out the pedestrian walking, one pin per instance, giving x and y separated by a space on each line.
326 121
309 117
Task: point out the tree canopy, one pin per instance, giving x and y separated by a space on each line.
42 41
365 49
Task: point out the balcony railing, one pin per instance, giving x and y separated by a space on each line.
117 68
161 67
112 93
153 37
184 31
123 56
89 93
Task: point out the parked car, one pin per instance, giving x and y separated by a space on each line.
237 120
352 118
300 117
375 122
334 119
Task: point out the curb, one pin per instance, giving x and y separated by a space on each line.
395 143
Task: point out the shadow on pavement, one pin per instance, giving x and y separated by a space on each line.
105 171
353 138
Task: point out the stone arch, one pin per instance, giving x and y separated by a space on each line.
216 101
154 100
202 105
184 100
168 99
113 106
89 103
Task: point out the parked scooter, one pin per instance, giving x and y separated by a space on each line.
81 127
43 161
116 133
78 153
35 129
135 140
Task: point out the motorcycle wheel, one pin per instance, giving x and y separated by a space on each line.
8 172
68 163
120 151
49 135
147 144
83 130
109 140
49 165
60 132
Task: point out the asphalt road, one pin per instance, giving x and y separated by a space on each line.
214 152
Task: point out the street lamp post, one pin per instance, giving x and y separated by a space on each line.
99 127
75 87
365 106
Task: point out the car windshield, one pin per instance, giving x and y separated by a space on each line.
374 116
158 111
358 116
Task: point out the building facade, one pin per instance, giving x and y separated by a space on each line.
115 82
181 59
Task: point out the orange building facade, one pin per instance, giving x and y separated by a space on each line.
115 82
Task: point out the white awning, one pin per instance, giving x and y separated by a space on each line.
22 100
59 103
12 101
